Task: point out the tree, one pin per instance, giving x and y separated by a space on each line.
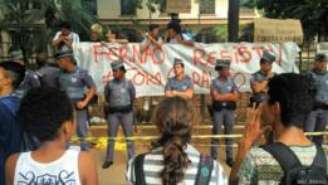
33 22
312 13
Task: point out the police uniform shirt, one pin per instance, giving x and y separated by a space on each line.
174 85
75 83
120 93
256 78
31 80
48 76
224 86
321 86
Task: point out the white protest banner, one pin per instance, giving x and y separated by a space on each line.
150 69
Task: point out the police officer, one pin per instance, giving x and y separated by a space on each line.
80 88
120 95
317 120
259 84
181 84
48 74
31 79
224 94
259 80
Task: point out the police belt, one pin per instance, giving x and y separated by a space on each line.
229 105
320 105
120 109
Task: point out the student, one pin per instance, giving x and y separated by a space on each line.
65 39
152 39
173 160
47 114
11 75
293 158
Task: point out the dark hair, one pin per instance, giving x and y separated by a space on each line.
43 111
295 95
174 119
174 26
15 71
153 26
65 24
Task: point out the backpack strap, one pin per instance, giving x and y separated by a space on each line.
138 169
320 159
286 158
204 172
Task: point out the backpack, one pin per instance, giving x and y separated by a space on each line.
203 176
294 172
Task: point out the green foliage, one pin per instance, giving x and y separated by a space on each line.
312 13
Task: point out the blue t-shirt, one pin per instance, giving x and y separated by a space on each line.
10 131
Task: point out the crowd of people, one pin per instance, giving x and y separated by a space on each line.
41 110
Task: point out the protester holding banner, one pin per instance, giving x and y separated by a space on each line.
224 94
80 88
112 37
11 75
175 35
180 84
120 95
317 120
65 38
153 39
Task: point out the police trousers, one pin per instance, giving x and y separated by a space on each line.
316 122
82 127
227 119
126 121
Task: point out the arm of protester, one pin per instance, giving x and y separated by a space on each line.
57 39
185 42
155 42
10 168
87 169
252 133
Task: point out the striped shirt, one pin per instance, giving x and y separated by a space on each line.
153 165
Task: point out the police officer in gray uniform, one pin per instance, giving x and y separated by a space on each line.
317 120
259 84
181 84
259 80
48 74
120 95
31 79
79 87
224 94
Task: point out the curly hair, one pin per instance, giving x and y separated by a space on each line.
174 119
295 95
43 111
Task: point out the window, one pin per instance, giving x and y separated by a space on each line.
207 6
128 7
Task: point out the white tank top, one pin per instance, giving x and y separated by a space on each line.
63 171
